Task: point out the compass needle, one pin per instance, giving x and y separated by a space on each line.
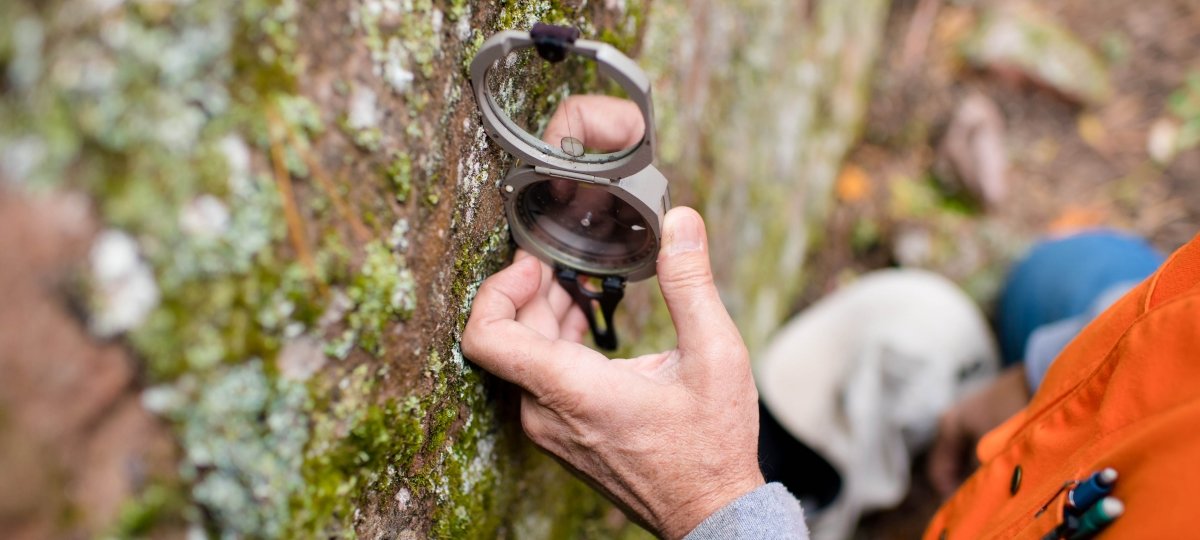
570 145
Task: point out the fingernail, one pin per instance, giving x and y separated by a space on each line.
531 263
683 233
521 264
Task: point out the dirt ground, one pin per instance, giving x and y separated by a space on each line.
1070 162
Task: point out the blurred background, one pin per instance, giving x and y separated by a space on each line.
238 240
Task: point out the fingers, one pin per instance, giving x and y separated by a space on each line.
685 277
506 291
536 313
605 123
495 341
549 289
560 301
573 326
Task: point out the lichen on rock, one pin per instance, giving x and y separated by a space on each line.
309 191
243 434
383 292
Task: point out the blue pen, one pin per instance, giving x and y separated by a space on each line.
1090 491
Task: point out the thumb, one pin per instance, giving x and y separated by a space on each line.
685 277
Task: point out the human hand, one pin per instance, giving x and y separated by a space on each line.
671 437
952 456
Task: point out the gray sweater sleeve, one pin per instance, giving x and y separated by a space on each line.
769 512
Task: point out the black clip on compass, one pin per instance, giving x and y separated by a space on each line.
589 215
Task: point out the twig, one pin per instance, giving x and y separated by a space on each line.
283 182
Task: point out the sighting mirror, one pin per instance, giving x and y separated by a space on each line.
533 112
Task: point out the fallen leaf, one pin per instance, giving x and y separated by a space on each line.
853 184
1075 218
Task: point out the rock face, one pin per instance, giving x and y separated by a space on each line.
277 213
759 103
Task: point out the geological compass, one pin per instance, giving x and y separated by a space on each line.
594 214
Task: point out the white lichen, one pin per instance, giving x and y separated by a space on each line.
205 217
403 498
532 12
363 113
220 237
398 239
20 158
162 399
237 160
362 117
243 437
473 172
84 67
341 346
456 356
462 27
124 290
300 359
394 67
481 464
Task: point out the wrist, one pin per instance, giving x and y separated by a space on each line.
680 521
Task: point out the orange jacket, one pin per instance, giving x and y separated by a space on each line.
1124 394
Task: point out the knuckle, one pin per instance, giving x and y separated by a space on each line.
565 399
560 399
474 339
532 425
689 276
468 347
469 343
